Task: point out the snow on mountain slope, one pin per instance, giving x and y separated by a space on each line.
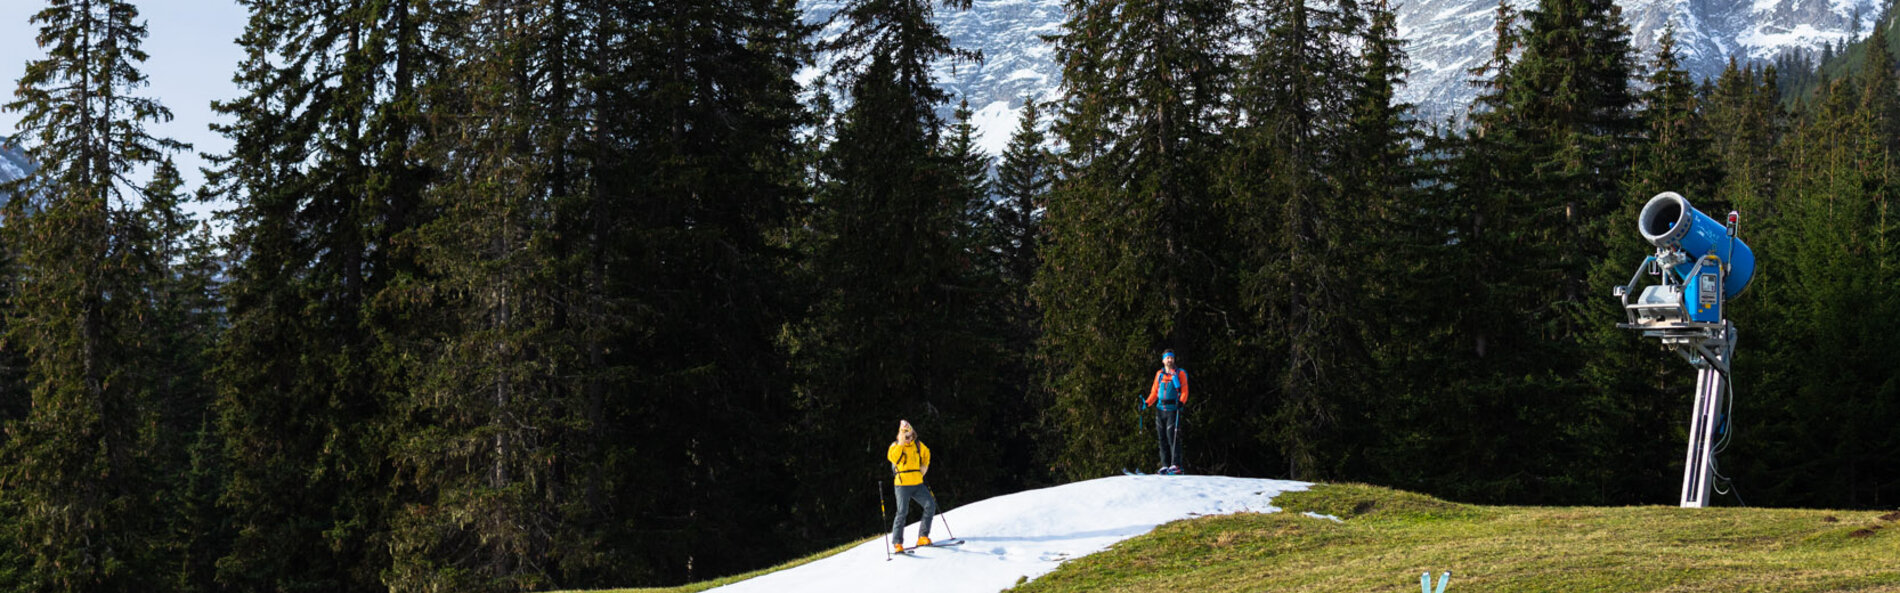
1016 64
13 163
1026 534
1445 38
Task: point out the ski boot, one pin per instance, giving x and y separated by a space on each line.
923 540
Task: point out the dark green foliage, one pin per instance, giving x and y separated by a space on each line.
1824 390
324 175
493 410
1023 181
105 313
1014 237
693 398
1129 266
1745 123
183 265
1311 117
902 324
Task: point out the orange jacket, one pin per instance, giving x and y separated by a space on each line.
1169 382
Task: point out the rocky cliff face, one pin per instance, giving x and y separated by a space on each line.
1445 38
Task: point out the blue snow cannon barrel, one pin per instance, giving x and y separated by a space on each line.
1669 221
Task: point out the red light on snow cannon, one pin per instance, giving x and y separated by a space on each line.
1734 217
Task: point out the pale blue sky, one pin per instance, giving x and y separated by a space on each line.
193 54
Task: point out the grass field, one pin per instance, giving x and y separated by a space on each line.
1385 538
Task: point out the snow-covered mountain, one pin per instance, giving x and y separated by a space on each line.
1445 38
1448 37
1017 63
13 163
1025 535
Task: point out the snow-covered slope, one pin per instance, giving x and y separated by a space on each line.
1026 534
1445 38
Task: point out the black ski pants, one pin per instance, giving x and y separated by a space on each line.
921 493
1168 427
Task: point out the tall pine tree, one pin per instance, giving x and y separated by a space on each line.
87 468
490 422
1131 258
1287 179
324 174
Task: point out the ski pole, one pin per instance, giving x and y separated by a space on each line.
880 517
945 518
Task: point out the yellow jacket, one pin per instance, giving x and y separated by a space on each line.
908 461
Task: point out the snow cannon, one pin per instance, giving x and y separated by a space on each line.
1699 265
1672 225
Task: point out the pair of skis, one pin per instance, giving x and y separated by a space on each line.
1136 472
912 551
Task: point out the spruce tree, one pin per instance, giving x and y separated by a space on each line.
86 469
1131 256
181 264
1556 152
1673 153
899 326
1745 122
1023 181
1823 329
324 174
1399 236
615 181
1294 108
692 186
493 412
1484 346
1024 178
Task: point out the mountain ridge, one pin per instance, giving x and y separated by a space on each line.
1444 39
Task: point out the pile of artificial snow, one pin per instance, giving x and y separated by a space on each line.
1026 534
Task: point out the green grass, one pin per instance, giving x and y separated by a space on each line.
720 582
1388 537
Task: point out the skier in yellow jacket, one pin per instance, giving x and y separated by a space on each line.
910 461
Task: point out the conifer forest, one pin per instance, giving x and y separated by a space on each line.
516 295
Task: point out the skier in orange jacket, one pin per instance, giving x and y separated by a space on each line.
1167 396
